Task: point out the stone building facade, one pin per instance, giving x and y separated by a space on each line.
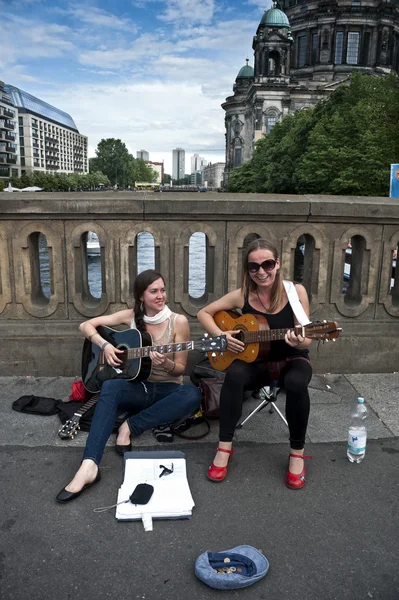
301 54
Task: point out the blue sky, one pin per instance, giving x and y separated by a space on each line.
152 73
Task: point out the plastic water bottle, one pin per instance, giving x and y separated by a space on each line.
357 434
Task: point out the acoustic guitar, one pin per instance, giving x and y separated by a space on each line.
254 331
136 362
70 428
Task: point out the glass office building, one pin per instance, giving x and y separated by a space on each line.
49 140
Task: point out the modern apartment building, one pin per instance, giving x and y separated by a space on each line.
198 163
9 160
179 164
49 140
143 155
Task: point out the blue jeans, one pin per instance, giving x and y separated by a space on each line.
152 403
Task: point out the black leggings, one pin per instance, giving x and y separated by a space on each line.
240 376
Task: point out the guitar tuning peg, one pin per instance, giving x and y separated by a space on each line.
213 354
221 354
334 340
206 335
327 341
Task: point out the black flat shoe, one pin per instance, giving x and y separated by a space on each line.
65 496
122 449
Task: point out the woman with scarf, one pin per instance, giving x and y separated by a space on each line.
161 399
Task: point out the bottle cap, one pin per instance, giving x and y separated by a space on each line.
360 400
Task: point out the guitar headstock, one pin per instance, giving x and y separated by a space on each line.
69 429
212 344
323 330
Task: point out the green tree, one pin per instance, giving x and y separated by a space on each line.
345 145
93 165
113 159
2 185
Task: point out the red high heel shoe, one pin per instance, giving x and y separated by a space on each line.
293 481
219 473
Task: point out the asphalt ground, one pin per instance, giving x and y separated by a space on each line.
336 539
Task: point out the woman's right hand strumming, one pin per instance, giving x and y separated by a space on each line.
233 344
111 355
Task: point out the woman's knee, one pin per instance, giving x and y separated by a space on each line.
191 396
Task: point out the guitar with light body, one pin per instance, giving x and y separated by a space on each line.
254 331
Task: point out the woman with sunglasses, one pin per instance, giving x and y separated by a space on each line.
161 399
262 292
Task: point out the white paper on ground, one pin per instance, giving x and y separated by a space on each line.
171 498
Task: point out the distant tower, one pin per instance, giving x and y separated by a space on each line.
143 154
179 163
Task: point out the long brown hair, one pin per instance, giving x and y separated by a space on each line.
141 283
248 285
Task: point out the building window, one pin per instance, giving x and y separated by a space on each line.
352 53
301 50
237 157
315 47
270 123
355 3
339 41
366 47
22 162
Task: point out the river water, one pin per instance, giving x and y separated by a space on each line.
145 260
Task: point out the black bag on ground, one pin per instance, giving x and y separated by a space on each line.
37 405
40 405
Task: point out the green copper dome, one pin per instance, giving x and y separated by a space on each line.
274 17
245 71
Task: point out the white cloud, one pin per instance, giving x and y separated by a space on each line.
182 11
34 38
97 17
154 116
188 11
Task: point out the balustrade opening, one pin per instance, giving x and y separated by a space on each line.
197 251
146 252
41 269
354 263
94 265
394 279
90 269
305 269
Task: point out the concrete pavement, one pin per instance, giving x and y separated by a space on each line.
336 539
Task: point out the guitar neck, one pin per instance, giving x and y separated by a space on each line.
87 405
270 335
166 349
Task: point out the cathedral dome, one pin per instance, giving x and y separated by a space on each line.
274 17
246 71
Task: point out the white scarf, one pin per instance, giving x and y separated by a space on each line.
162 316
159 317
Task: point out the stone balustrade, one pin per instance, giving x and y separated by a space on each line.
40 332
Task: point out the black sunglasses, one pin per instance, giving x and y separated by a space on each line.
267 265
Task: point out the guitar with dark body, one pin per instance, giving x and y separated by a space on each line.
136 356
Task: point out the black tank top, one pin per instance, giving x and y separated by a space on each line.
279 350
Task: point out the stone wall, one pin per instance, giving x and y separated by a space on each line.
40 334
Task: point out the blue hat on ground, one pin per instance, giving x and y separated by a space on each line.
231 569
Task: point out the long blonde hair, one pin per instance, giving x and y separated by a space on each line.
248 285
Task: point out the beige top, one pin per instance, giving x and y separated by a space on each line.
158 373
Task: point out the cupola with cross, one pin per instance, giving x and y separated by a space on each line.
272 44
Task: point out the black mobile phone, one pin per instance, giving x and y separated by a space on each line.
142 493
